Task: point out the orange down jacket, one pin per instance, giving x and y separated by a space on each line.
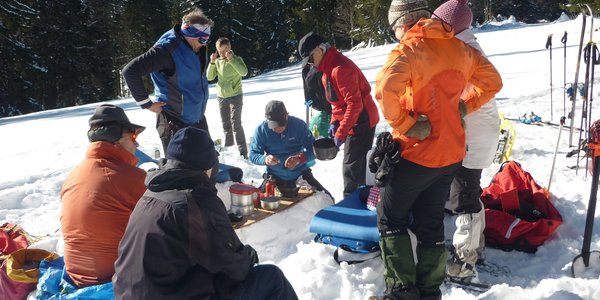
97 199
426 75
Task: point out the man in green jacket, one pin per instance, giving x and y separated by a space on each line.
229 68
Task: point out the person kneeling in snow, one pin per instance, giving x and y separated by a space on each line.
179 243
98 197
285 145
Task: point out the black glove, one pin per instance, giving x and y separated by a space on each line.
253 255
385 172
384 144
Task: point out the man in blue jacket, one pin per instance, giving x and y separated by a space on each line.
284 144
177 65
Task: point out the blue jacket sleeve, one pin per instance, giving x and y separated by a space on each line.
257 149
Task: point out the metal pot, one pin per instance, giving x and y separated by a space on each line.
243 194
325 149
270 203
242 210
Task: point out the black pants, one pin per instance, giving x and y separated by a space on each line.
355 159
167 126
415 199
231 117
465 191
266 282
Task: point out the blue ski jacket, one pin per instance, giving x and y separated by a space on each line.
178 74
296 138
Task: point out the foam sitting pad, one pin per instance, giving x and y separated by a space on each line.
348 222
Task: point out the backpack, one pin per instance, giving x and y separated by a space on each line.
518 212
12 238
314 90
19 272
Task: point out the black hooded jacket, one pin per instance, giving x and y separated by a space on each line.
179 243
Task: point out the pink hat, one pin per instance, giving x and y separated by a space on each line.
456 13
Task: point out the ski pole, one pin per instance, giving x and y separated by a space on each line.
549 47
562 123
564 41
573 95
589 221
587 58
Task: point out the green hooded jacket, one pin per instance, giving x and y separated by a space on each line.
230 73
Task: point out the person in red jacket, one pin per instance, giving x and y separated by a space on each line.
354 114
99 195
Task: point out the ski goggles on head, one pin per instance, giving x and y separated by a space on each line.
202 32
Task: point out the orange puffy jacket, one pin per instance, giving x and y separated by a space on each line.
97 199
426 75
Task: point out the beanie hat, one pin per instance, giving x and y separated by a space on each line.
407 12
193 147
108 122
456 13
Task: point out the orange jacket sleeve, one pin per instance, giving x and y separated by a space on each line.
393 94
486 82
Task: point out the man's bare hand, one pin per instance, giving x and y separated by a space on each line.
271 160
156 107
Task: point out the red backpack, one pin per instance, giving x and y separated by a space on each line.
518 212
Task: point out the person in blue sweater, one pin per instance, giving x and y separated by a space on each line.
177 66
284 144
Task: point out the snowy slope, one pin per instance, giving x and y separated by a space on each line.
40 149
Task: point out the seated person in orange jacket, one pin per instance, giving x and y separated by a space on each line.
99 195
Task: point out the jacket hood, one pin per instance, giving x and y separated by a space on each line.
428 29
176 175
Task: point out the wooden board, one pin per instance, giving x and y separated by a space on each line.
285 203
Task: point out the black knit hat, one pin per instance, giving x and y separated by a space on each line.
193 147
108 122
276 114
307 44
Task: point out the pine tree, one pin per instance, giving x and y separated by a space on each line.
17 59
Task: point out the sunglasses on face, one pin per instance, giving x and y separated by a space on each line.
203 41
311 60
134 133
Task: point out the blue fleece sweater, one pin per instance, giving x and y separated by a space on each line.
296 138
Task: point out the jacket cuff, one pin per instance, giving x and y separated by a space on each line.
145 104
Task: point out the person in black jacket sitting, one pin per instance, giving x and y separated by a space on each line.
179 242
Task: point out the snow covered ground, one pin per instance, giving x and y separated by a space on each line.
40 149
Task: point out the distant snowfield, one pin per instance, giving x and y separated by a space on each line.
40 149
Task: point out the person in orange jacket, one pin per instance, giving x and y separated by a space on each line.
419 92
354 114
99 195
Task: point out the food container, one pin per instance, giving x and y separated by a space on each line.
325 149
242 210
270 203
243 194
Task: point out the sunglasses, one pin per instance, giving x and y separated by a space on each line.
203 41
134 133
310 56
